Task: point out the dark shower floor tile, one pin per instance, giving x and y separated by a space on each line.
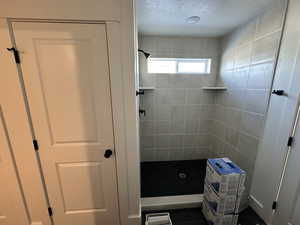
249 217
191 216
194 216
162 178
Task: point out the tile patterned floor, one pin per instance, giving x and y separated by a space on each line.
194 216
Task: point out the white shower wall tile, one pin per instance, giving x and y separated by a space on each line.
161 126
161 141
148 80
177 127
205 126
194 96
192 112
240 77
236 98
248 146
217 146
228 60
196 140
196 153
176 142
233 117
192 126
264 49
162 155
148 154
177 80
252 124
176 154
257 101
260 76
246 68
147 141
243 55
146 128
178 105
176 96
161 111
178 112
272 19
232 136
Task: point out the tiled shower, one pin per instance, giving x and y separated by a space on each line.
185 122
178 112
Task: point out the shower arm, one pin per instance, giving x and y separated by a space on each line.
146 54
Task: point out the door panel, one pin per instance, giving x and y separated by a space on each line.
289 198
12 205
287 212
71 174
66 75
74 122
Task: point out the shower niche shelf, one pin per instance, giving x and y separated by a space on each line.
146 88
214 88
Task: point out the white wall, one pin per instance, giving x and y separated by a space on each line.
105 10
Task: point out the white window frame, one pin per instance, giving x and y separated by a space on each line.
208 62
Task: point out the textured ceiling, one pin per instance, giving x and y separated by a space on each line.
168 17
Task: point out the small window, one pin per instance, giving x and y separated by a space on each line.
179 66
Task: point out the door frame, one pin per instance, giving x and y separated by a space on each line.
121 53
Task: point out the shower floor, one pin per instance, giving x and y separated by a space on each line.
172 178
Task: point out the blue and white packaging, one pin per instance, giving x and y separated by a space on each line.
225 204
225 177
215 219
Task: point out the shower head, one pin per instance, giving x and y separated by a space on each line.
147 55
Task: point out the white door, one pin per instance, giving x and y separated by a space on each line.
12 207
288 211
273 147
66 74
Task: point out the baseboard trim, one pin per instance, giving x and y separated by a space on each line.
255 202
172 202
257 206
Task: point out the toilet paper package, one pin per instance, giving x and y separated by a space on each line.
225 177
215 219
224 204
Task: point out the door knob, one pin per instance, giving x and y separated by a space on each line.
108 153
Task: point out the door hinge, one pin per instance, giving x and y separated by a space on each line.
50 211
274 205
290 141
35 145
16 54
278 92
